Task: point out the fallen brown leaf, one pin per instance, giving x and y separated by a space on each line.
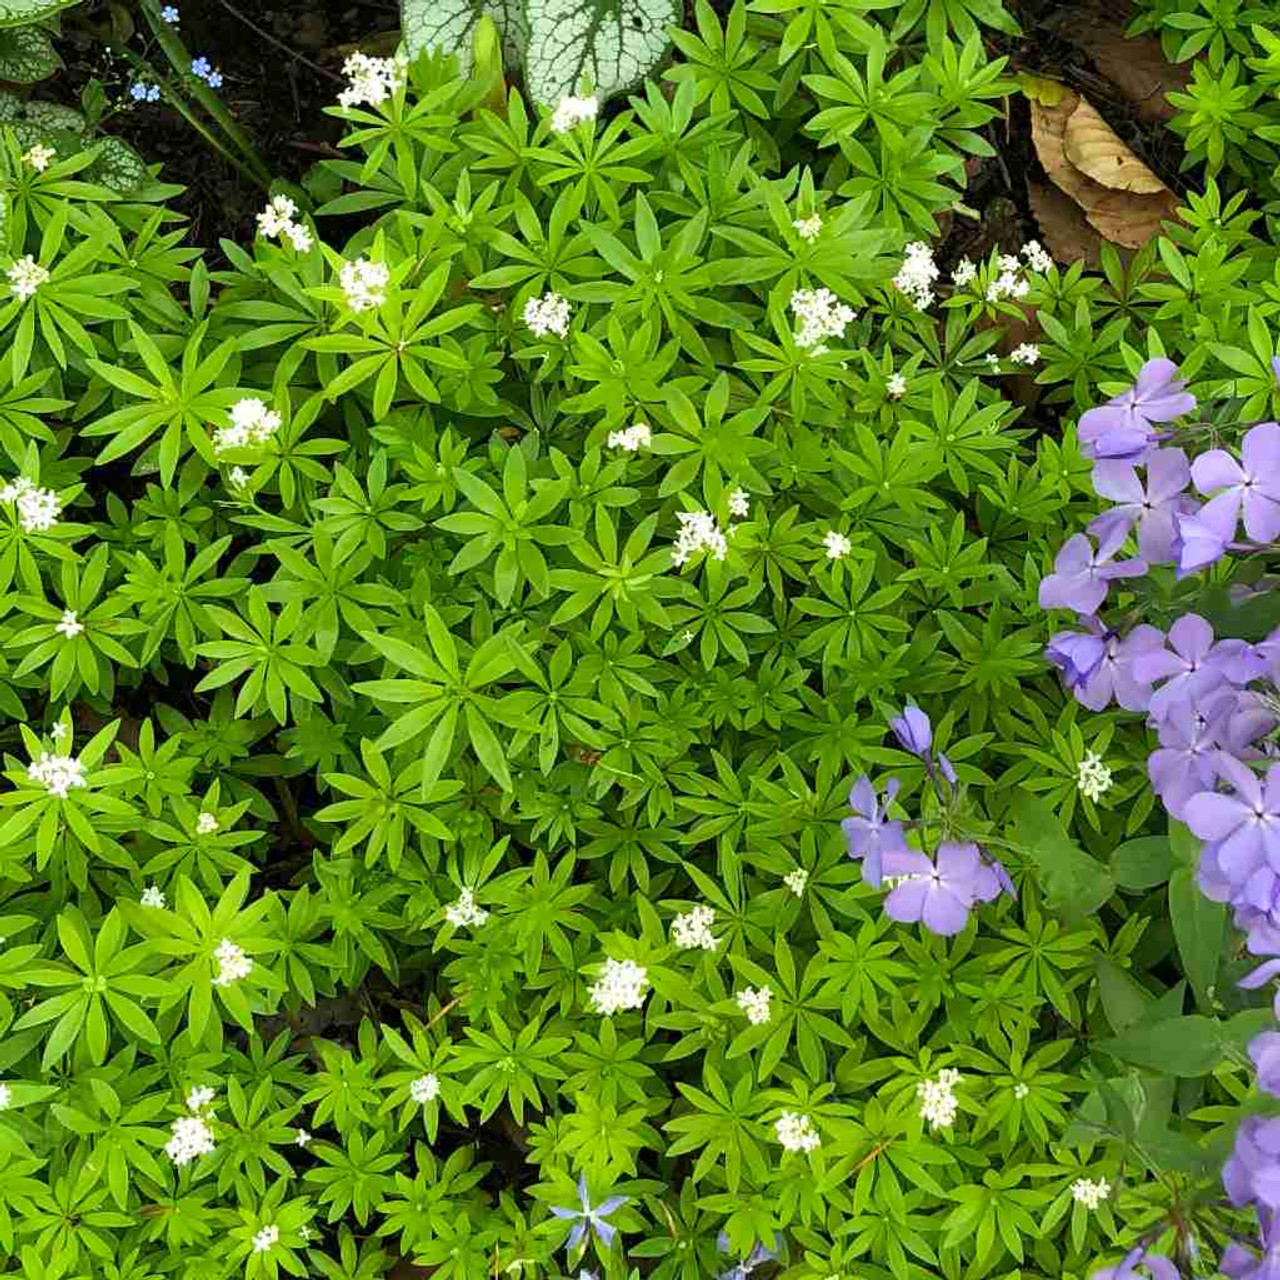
1136 67
1095 148
1064 229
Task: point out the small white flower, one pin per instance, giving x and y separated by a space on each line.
837 545
206 824
372 80
631 438
266 1239
620 986
299 236
276 216
965 272
938 1104
465 912
796 880
822 315
1093 777
191 1138
199 1098
69 626
238 477
698 532
808 228
364 284
918 274
425 1088
573 111
301 1138
59 731
252 424
26 276
1037 258
1028 353
1090 1194
796 1132
152 896
548 314
1020 1091
896 386
233 964
754 1002
686 637
40 157
59 775
692 929
739 502
6 1097
992 360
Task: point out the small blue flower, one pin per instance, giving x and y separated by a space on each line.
170 14
200 67
140 91
590 1218
214 80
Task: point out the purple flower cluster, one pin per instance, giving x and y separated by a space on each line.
1201 695
937 892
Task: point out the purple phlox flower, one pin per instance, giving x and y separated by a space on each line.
1242 1263
1151 507
869 834
1265 1052
1197 543
1261 976
1003 880
915 733
590 1217
1250 487
940 895
1081 576
1077 654
759 1255
1113 676
1248 720
1185 763
1252 1172
1275 367
1247 823
1121 428
1127 1268
1188 663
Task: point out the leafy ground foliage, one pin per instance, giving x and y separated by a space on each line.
441 638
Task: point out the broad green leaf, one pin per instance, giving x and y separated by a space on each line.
1143 863
17 13
26 55
449 26
1200 927
1075 884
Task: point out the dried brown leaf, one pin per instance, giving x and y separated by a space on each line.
1135 66
1064 229
1095 148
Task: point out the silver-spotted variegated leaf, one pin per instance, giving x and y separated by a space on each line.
26 55
118 167
10 107
53 115
609 44
17 13
449 26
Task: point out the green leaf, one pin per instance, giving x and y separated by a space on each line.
449 26
26 55
611 44
17 13
1075 884
1142 864
1200 928
1187 1046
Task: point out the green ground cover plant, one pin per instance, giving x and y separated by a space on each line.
529 743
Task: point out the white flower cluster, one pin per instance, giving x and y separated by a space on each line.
69 625
267 1238
754 1002
821 315
372 80
1020 1090
26 276
152 896
233 964
1094 778
59 775
917 275
364 283
548 314
837 545
796 1132
1028 353
698 532
808 228
631 438
6 1097
1011 283
1090 1194
620 986
39 157
796 880
252 424
465 912
302 1138
938 1104
1037 258
571 112
692 929
425 1088
896 386
277 220
38 509
206 824
191 1135
739 502
965 272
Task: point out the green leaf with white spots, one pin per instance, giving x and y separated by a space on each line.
118 167
17 13
26 55
609 44
449 26
53 115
